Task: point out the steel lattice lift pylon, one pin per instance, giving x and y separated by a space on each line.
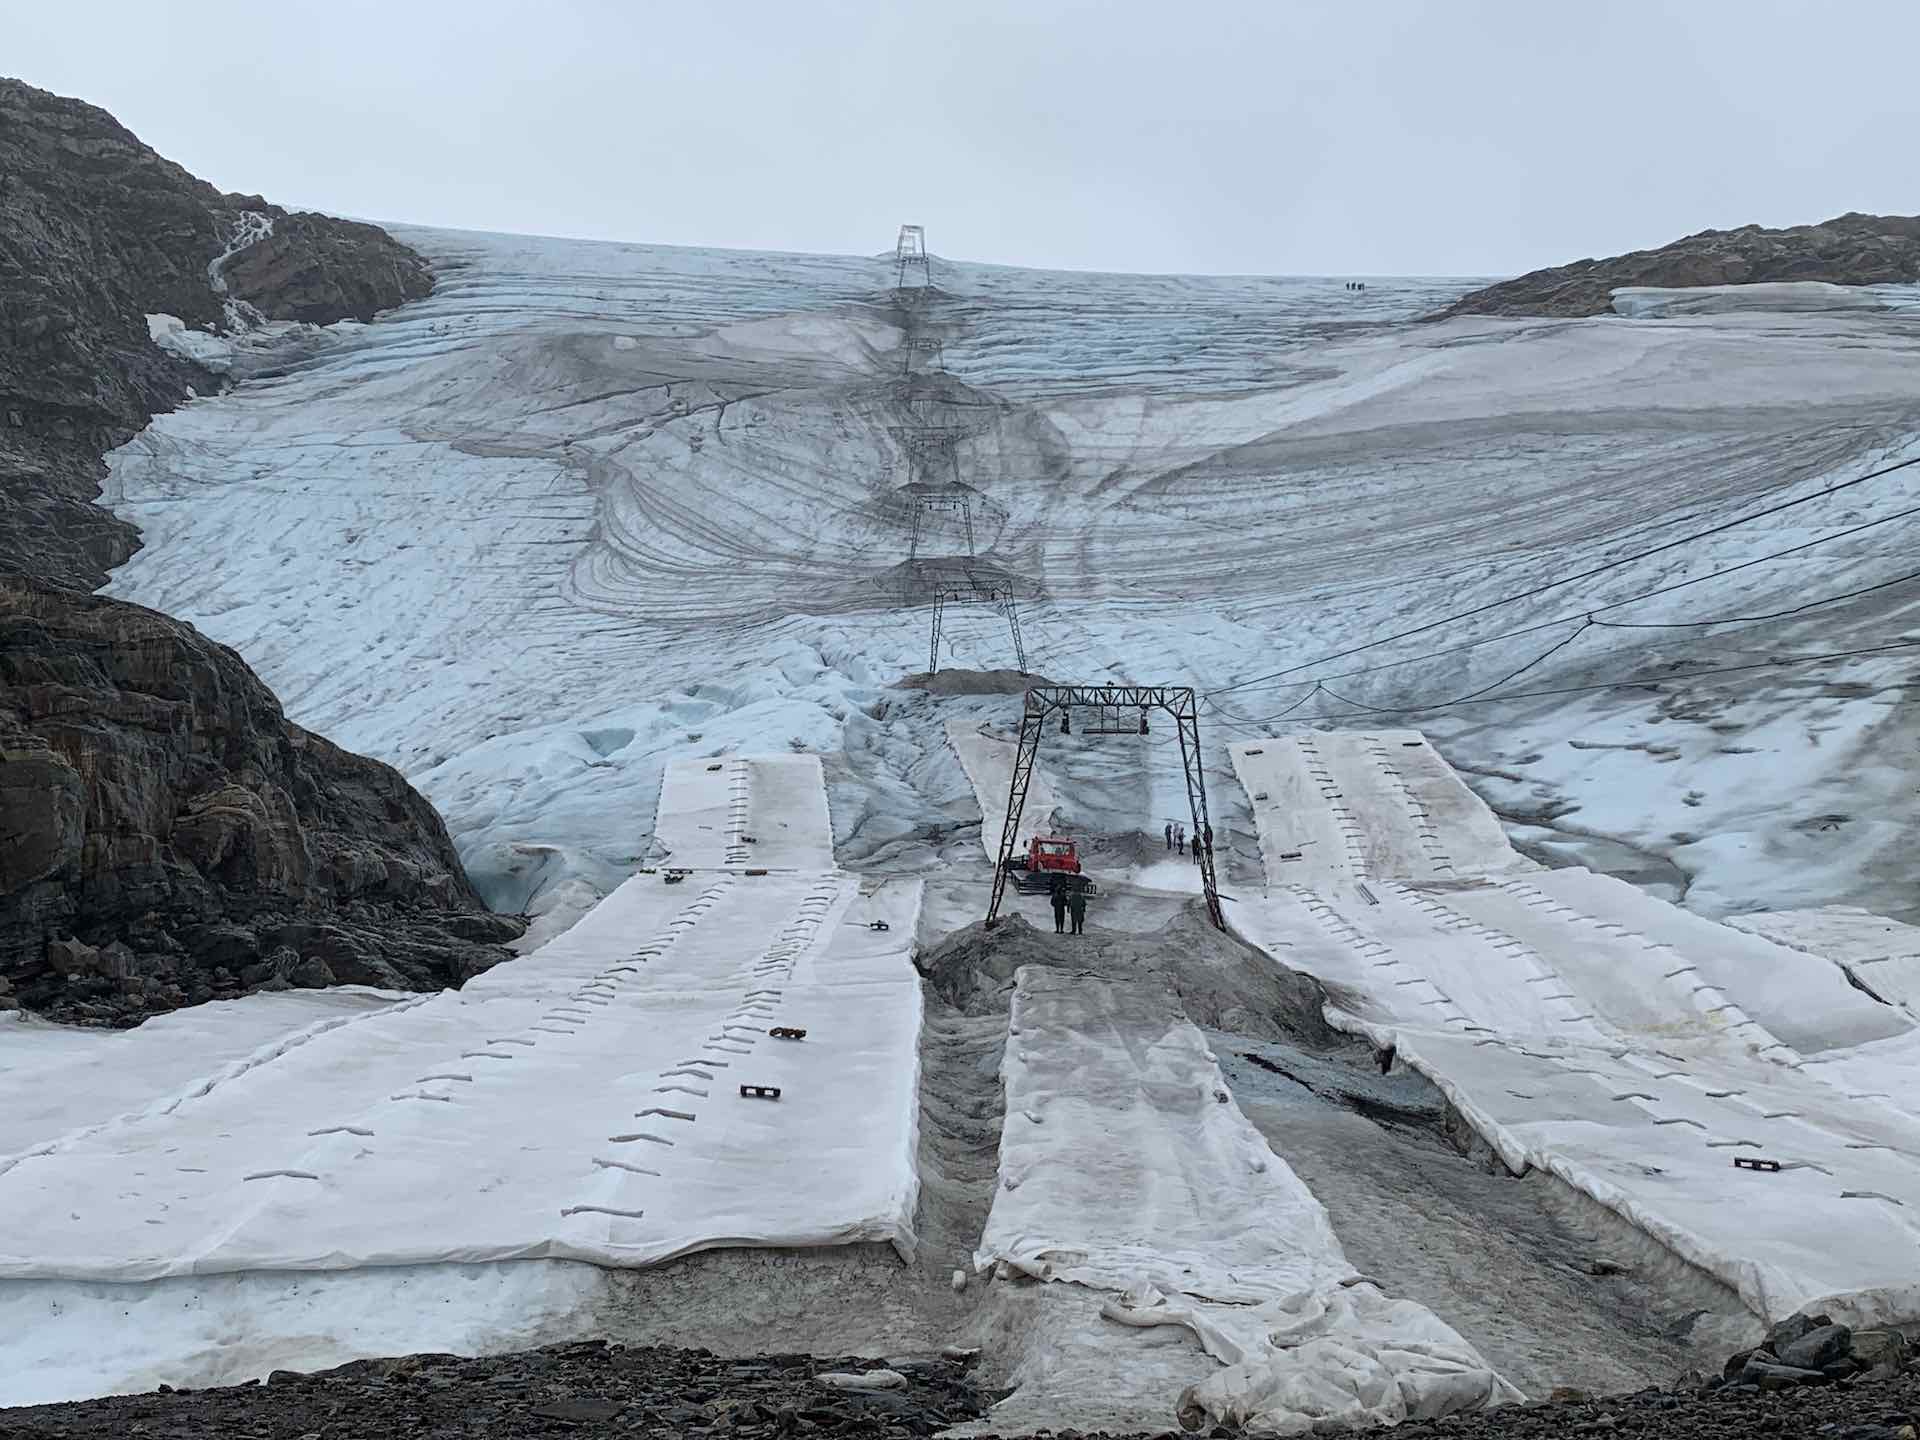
971 588
933 478
1108 701
909 252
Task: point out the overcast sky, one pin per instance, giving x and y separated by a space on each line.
1471 137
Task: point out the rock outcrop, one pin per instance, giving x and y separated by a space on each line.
96 233
1848 250
167 836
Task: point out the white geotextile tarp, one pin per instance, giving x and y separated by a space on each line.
1340 806
1126 1166
582 1103
988 761
1634 1050
56 1079
1882 954
745 811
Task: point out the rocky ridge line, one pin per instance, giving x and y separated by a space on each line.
97 232
1851 249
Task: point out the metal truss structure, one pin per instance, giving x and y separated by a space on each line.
979 590
933 485
909 253
1115 708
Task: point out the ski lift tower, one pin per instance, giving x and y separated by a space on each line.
1116 710
910 253
974 588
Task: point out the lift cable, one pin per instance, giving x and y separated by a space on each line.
1604 567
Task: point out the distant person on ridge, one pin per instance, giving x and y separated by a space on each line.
1077 903
1059 908
1169 834
1179 836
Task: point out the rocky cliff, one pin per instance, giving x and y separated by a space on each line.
96 233
166 836
1849 250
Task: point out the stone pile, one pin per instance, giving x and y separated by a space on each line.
591 1388
1813 1350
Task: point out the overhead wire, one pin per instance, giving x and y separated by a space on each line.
1591 616
1319 687
1602 569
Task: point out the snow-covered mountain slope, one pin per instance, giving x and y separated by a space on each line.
592 507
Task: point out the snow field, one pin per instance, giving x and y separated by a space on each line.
1633 1050
1126 1168
466 538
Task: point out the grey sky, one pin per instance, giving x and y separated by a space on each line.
1292 136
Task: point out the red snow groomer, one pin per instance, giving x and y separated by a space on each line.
1050 860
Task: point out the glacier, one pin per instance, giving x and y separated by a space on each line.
601 538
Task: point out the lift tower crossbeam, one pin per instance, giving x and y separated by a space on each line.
1045 701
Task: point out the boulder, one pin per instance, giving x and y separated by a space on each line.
1880 1347
1784 1332
223 943
1770 1376
1820 1346
312 973
69 958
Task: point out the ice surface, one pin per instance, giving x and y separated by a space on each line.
1634 1050
595 517
593 507
1649 302
1126 1167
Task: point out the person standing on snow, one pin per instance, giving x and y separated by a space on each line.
1059 908
1169 834
1179 835
1077 903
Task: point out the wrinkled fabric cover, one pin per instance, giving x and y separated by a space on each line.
1327 1360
